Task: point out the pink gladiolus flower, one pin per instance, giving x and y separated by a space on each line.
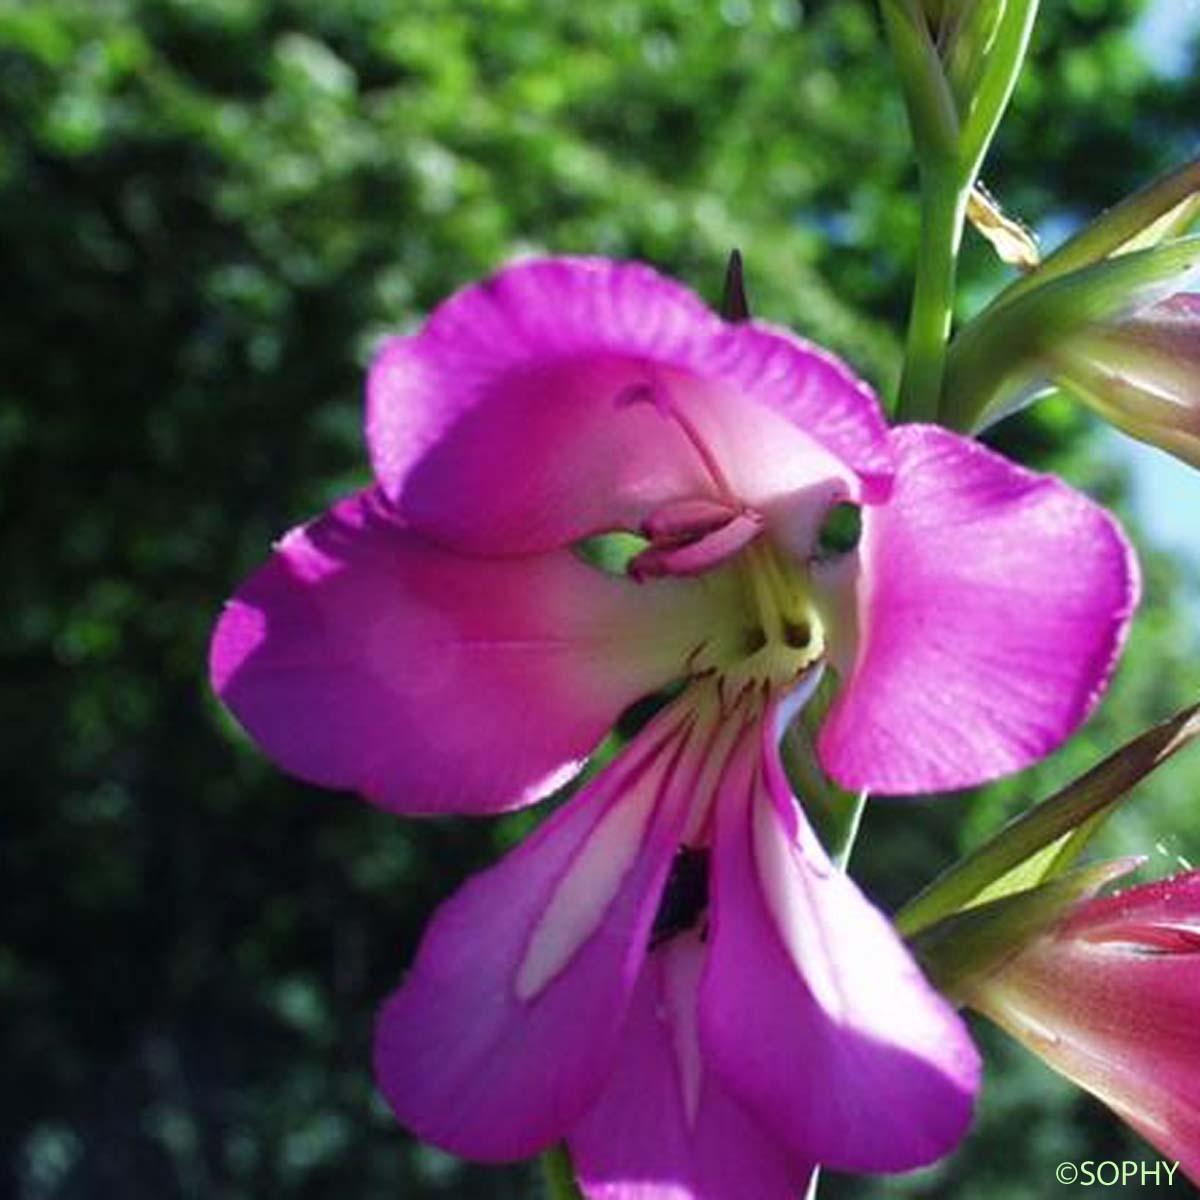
669 973
1109 997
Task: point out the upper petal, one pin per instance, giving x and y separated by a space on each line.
364 657
505 425
664 1127
812 1012
993 603
505 1028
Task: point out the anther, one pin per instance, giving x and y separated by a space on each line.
754 640
797 634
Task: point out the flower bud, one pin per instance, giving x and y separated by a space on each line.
1119 333
1108 997
1143 375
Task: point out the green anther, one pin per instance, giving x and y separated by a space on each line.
610 552
841 530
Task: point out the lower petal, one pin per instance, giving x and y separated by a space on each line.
363 657
813 1013
994 603
505 1028
664 1127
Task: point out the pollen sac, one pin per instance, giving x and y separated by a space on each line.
840 531
610 552
689 519
684 554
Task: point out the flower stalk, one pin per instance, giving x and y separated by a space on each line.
558 1175
943 210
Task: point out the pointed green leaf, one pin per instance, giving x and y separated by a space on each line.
1162 209
1000 68
1172 224
1036 869
1064 821
960 950
932 114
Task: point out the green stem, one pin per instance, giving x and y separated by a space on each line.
841 852
950 151
943 209
558 1175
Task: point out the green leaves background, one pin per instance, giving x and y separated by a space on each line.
209 211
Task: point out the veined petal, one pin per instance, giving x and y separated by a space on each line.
505 425
1109 999
505 1029
364 657
664 1128
993 606
812 1012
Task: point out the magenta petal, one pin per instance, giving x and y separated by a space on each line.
1163 915
363 657
505 1028
664 1128
995 604
507 424
812 1012
817 392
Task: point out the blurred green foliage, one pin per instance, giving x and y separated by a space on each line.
209 212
